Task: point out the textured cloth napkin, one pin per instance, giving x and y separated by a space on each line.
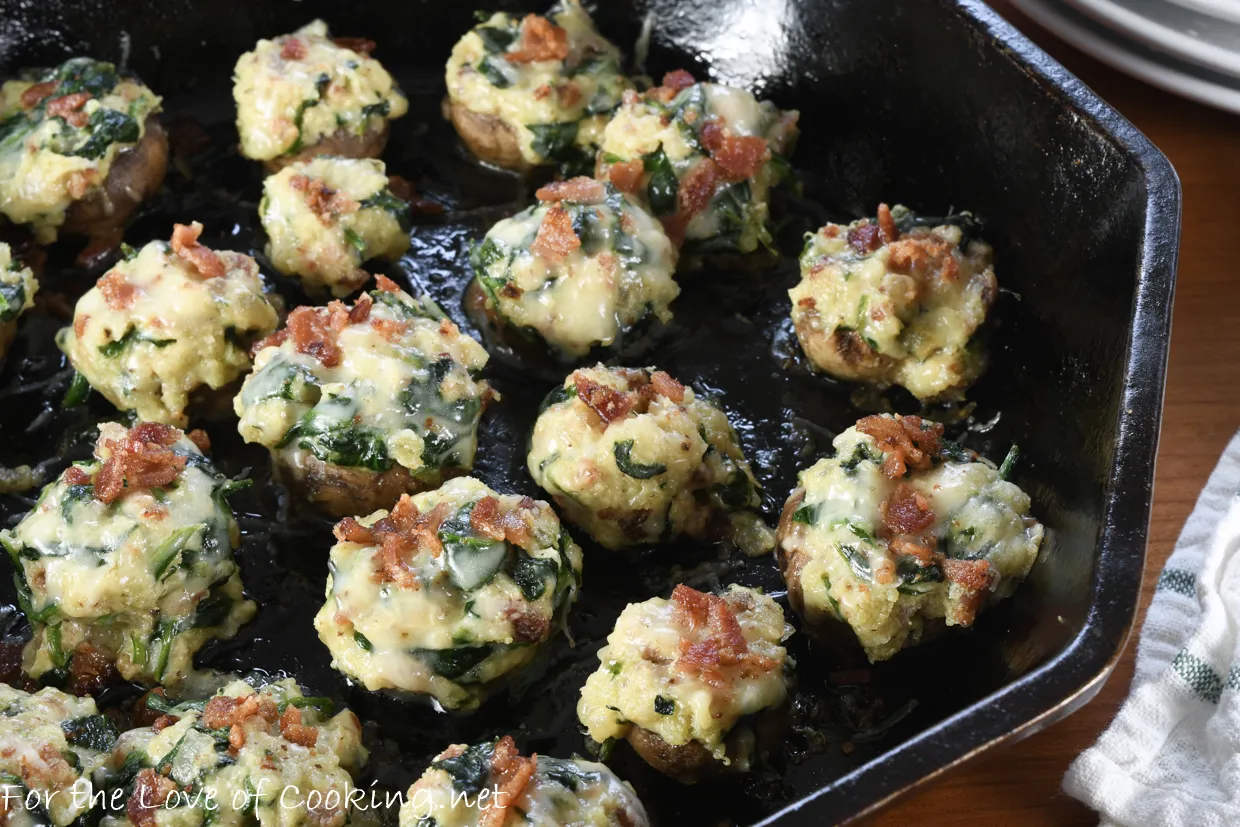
1172 754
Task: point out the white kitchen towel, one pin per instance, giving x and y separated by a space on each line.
1172 755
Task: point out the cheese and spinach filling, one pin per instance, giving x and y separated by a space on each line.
248 755
156 331
896 301
393 383
690 669
634 457
483 579
299 89
17 288
130 553
887 549
60 132
464 783
50 744
553 81
325 217
703 158
602 282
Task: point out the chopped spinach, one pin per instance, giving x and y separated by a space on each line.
79 390
212 610
93 732
355 241
858 560
408 306
532 573
327 430
736 492
553 141
1009 462
107 127
132 336
861 453
388 202
567 774
321 704
25 602
82 74
558 394
496 39
471 561
73 495
280 379
663 188
172 547
496 71
363 642
664 706
470 770
915 578
623 451
12 299
454 663
807 514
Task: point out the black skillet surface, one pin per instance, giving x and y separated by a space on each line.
909 102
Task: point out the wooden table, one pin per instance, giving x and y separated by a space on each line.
1019 784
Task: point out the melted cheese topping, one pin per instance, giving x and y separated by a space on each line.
180 333
148 579
41 735
17 288
619 279
46 164
285 104
478 611
667 136
561 793
326 246
410 399
835 533
638 684
684 468
913 328
556 108
246 784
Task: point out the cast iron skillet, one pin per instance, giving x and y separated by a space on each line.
931 103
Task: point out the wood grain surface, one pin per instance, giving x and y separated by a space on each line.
1020 784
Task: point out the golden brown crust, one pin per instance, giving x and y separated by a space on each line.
337 491
342 142
136 174
486 136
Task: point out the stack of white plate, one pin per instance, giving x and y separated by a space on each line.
1190 47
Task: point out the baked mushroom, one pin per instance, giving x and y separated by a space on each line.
248 755
896 301
697 684
50 745
449 592
900 531
326 217
80 148
703 158
361 404
633 456
306 94
484 784
128 559
17 288
169 327
534 91
585 267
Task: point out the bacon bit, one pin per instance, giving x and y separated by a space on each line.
326 203
540 40
295 731
236 738
275 339
399 535
485 519
185 244
69 107
739 156
512 773
349 530
360 45
726 629
664 385
79 325
542 92
905 441
556 237
385 284
918 255
33 96
626 176
76 475
150 791
569 93
163 722
293 49
906 511
312 335
361 309
609 403
921 548
140 460
690 607
90 670
391 330
527 626
678 80
200 439
865 238
80 181
337 315
887 224
581 190
974 576
391 565
222 712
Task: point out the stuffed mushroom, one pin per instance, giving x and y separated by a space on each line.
585 267
900 531
129 557
248 755
50 745
326 217
536 90
449 592
80 148
361 404
485 784
634 457
703 158
896 301
697 684
169 327
306 94
17 288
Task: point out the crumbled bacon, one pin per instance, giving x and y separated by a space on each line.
150 791
922 548
118 292
163 722
973 576
485 519
337 315
581 190
385 284
664 385
556 237
80 181
540 40
326 203
887 224
142 459
69 107
76 475
698 187
678 79
512 773
222 711
690 607
236 737
349 530
313 336
712 639
33 96
609 403
906 511
293 49
294 730
275 339
90 670
393 330
360 45
739 156
528 626
865 238
907 442
626 176
404 531
200 439
185 244
50 771
919 255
